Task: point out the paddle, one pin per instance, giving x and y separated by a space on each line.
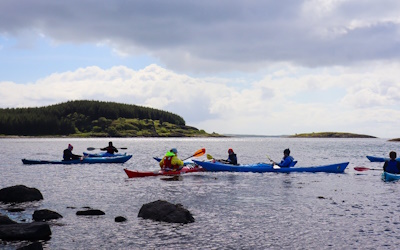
210 157
91 148
273 163
198 153
366 169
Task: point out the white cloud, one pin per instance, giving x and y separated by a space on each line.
287 101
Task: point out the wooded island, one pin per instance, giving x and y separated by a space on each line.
95 119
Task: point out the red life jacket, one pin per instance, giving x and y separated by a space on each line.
167 163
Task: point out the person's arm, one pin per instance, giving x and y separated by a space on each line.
385 166
115 149
104 149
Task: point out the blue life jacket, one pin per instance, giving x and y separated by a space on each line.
391 167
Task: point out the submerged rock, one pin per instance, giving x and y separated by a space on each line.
34 246
45 215
90 212
20 193
119 219
4 220
164 211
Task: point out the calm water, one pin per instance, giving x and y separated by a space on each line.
354 210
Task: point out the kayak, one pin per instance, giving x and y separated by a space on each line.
390 177
86 160
266 167
184 170
102 154
379 159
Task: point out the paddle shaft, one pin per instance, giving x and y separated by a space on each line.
91 148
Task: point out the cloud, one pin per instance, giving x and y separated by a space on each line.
288 101
218 36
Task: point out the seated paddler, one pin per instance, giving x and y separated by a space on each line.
232 158
392 166
171 161
286 161
68 155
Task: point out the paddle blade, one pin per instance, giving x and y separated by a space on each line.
209 157
91 149
361 168
199 152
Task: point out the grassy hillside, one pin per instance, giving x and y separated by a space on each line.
95 119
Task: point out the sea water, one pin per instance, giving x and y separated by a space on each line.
354 210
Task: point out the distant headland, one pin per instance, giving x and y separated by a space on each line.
331 135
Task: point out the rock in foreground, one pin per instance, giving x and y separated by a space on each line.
25 231
20 193
45 215
164 211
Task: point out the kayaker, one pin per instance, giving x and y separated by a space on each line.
110 148
68 155
286 160
232 158
171 161
392 166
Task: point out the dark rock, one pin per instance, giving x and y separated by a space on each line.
13 210
90 212
120 219
164 211
34 246
20 193
25 231
4 220
45 215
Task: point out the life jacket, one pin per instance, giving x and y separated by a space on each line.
392 167
167 161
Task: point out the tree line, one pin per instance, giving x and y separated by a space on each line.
75 117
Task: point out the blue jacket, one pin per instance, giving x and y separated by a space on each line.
392 167
285 163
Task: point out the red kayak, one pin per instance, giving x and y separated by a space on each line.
185 169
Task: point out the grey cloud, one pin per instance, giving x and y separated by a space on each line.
222 35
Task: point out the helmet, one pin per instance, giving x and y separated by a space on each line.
174 150
70 147
230 150
286 151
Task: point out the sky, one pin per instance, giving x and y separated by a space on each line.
259 67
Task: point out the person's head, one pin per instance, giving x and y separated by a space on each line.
392 155
286 152
174 150
70 147
230 151
110 144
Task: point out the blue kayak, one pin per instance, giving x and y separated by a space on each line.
379 159
266 167
85 160
390 177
